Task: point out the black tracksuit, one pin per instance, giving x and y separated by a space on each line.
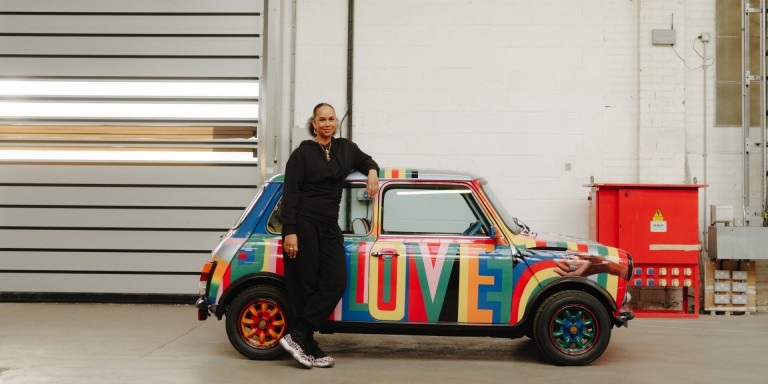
312 191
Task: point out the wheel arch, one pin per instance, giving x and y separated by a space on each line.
245 282
564 284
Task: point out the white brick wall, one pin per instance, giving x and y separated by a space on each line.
510 90
321 60
662 95
517 90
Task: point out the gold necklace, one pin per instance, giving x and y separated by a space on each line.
327 150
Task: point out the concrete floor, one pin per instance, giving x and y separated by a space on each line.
103 343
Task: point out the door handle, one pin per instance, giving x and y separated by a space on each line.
386 252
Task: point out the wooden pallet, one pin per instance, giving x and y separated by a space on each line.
727 311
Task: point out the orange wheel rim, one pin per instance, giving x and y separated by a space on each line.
262 323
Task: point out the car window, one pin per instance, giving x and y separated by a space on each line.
508 219
249 208
355 212
275 223
442 210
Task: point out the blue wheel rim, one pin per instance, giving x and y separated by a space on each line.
574 329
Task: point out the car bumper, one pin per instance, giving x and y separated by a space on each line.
623 317
203 308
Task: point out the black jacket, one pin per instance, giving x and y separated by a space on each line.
312 187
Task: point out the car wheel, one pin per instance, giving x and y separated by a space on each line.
572 328
256 320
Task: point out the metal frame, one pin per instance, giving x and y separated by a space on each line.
747 79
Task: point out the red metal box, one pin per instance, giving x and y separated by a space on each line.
658 224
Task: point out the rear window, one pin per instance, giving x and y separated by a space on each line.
248 209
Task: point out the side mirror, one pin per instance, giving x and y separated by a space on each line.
497 237
362 195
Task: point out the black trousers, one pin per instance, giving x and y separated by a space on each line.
317 276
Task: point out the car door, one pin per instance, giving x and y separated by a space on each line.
435 260
356 212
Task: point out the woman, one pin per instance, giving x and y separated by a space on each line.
313 246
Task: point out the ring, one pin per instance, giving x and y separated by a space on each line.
572 268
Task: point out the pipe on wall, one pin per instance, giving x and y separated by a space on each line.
763 108
745 118
350 62
292 122
704 151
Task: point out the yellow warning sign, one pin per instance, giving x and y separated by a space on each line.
658 216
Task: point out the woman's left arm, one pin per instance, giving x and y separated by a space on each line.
372 184
364 163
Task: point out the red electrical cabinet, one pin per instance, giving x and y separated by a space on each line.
658 224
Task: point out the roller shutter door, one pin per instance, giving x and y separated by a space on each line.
129 142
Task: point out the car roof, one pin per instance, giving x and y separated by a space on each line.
401 174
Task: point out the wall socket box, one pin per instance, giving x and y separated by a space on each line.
663 36
722 286
739 299
722 274
739 275
722 299
720 214
740 286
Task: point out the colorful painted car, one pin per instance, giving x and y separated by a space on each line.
432 254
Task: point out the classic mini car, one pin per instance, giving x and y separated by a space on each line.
432 254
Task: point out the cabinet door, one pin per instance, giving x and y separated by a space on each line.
659 225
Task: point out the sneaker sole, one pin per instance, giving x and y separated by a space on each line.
328 364
296 354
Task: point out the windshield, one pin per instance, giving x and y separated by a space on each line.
509 220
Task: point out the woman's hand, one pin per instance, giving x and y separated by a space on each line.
372 185
573 267
577 263
291 245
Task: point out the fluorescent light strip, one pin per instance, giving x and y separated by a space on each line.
243 89
130 110
38 155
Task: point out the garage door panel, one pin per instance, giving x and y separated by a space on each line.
132 6
130 174
246 68
45 195
140 46
103 261
109 240
99 283
132 25
118 218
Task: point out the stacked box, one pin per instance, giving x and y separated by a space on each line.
730 286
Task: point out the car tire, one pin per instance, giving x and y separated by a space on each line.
256 320
572 328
